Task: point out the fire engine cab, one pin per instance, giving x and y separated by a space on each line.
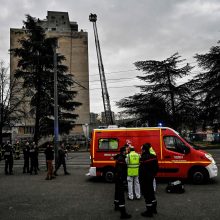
177 158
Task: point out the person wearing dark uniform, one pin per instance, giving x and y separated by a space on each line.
8 156
61 160
1 151
37 153
26 154
33 158
120 181
148 169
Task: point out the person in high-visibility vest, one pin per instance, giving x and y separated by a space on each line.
132 176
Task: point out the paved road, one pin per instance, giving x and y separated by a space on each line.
74 159
80 197
83 159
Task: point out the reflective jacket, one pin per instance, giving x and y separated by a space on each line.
133 163
152 151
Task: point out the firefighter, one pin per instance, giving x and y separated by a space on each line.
120 180
1 149
132 178
61 160
17 150
33 158
8 156
26 153
148 169
49 153
37 154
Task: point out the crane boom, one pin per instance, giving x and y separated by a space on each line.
105 95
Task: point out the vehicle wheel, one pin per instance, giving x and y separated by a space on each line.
109 175
198 176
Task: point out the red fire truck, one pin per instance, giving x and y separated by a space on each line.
177 158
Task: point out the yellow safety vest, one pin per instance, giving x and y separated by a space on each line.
152 151
133 163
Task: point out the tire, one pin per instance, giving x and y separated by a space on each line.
198 176
109 175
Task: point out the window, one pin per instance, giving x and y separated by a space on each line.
175 144
108 144
28 130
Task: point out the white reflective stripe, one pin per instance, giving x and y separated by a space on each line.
133 165
121 205
155 185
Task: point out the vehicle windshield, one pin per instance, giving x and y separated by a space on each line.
196 147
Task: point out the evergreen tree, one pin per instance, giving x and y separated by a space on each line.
36 69
146 108
163 98
207 85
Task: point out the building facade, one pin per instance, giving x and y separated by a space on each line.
73 44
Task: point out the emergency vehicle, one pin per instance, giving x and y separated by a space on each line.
177 158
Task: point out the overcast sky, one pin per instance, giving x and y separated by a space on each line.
129 31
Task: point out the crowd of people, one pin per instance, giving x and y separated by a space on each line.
138 172
135 171
30 157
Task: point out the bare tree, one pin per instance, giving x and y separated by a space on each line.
9 100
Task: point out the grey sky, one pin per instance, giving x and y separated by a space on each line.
129 31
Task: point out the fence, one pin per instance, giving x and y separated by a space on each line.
210 137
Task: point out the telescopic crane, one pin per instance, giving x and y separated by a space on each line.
105 96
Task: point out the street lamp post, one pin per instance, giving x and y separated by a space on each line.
1 110
56 124
87 136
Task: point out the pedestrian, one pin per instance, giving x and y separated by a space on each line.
49 153
147 171
61 160
1 151
132 160
8 156
46 158
26 154
17 150
37 153
33 158
120 180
